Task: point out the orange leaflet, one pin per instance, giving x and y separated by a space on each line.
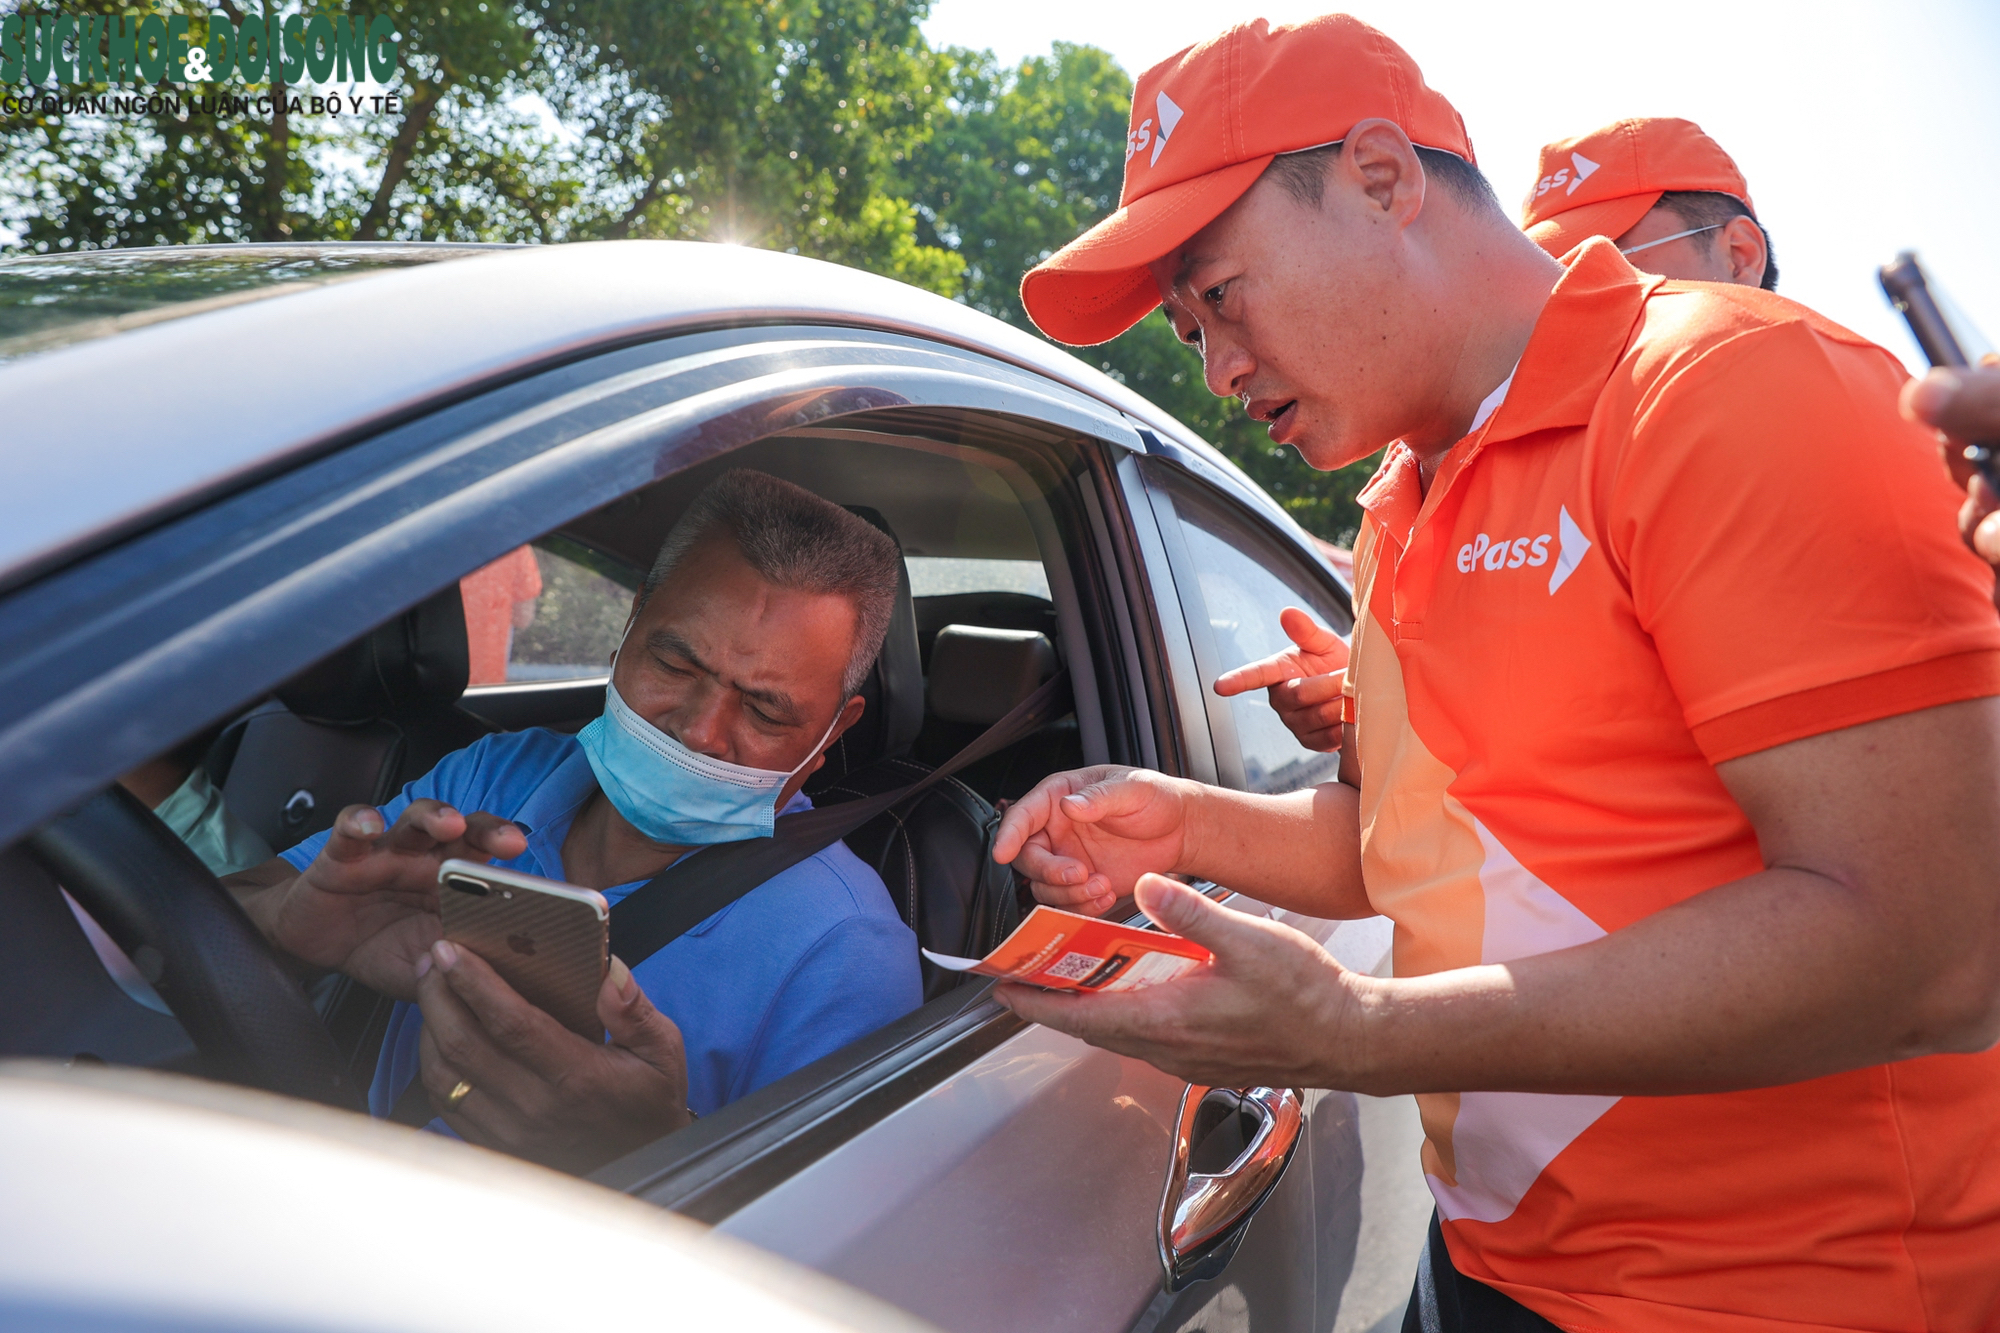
1064 951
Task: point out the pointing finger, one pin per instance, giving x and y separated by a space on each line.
1259 675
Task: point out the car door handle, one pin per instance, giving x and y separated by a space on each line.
1231 1147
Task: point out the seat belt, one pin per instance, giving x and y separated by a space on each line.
705 881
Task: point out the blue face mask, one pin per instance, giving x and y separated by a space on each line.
673 795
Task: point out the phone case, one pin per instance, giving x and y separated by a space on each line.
548 940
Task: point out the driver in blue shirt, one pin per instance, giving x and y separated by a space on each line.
740 665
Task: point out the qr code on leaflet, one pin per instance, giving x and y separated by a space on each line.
1073 966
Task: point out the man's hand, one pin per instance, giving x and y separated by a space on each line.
1303 683
1083 838
1273 1008
367 905
1871 935
1965 406
538 1090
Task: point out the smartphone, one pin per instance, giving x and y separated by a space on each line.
1904 283
548 940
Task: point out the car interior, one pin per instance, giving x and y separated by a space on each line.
977 629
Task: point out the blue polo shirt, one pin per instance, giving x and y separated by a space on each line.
795 969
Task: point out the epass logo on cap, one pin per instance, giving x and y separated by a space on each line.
1170 116
1579 164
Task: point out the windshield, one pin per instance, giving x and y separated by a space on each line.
49 301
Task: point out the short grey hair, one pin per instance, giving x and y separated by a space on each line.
796 540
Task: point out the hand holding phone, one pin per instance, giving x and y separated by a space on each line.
550 941
1909 292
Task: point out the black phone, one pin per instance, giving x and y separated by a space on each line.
1904 283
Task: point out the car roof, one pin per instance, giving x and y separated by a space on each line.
105 435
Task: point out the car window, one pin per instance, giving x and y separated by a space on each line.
1245 580
49 301
552 610
941 576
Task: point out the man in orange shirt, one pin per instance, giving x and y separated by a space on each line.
1674 204
500 600
1672 751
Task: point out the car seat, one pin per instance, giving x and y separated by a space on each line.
933 853
354 727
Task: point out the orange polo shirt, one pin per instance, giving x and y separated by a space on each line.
1695 528
490 594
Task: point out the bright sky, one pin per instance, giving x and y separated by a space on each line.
1863 129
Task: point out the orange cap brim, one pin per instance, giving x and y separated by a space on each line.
1611 218
1098 286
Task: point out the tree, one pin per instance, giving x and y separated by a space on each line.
74 181
465 64
767 122
182 176
1031 157
779 123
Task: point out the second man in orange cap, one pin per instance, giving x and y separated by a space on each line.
1672 741
1663 192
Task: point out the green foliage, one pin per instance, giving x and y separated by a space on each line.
777 123
1031 157
823 127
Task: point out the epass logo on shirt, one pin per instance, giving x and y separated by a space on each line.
1483 552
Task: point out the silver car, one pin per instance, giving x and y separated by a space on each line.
256 498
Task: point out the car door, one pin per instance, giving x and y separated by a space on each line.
1236 571
980 1172
987 1175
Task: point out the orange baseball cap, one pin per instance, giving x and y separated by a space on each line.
1603 182
1205 124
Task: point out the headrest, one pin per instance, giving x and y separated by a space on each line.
419 657
893 689
979 674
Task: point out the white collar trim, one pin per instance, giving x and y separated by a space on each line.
1492 401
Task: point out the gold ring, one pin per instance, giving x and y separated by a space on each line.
460 1091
